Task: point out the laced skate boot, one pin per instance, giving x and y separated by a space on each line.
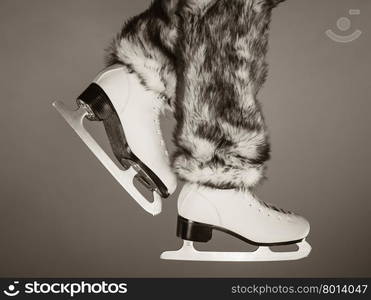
130 114
242 215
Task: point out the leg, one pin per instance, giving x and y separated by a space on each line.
128 97
146 46
221 136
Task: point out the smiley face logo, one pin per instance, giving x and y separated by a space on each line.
11 291
344 24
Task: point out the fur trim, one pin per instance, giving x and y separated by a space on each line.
218 174
220 134
147 42
146 46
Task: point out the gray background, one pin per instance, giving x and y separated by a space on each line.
62 214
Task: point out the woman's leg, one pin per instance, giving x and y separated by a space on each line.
146 46
221 136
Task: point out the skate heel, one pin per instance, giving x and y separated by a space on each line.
193 231
96 102
99 107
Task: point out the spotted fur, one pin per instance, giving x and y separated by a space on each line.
221 136
146 46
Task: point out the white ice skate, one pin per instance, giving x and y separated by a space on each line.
130 114
240 214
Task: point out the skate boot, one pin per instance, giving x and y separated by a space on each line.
240 214
130 114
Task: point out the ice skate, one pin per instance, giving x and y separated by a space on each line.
240 214
130 114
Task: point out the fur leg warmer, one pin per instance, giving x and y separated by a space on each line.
146 46
220 135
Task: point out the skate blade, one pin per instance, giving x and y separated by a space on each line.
189 253
125 178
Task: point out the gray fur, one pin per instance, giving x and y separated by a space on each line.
146 46
220 136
